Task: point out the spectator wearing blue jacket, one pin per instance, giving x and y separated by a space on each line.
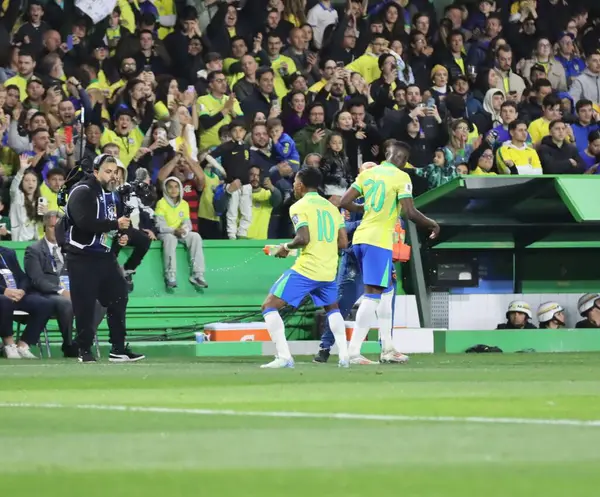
586 124
573 65
285 151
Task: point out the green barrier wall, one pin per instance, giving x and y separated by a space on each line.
239 276
575 340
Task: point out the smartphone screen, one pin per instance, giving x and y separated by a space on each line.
69 134
70 42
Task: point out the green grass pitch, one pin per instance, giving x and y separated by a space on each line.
85 451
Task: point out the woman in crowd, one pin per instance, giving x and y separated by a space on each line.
26 210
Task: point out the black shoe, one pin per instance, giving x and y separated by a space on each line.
86 357
322 356
70 350
124 355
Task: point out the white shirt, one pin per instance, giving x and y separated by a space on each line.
319 17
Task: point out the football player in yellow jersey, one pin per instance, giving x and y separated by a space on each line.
320 233
387 193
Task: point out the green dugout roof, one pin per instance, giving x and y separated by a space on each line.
503 212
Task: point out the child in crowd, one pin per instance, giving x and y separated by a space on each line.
235 161
440 172
174 226
335 169
283 144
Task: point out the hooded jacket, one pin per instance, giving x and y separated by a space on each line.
557 160
586 86
171 215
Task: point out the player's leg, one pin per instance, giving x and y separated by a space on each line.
290 288
389 354
338 328
376 272
325 294
350 288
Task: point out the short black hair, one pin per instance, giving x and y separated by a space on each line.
584 102
56 171
310 177
509 103
555 122
550 101
262 71
212 75
541 83
517 122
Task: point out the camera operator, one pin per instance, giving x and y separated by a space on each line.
132 196
94 211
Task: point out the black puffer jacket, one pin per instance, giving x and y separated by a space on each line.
557 160
335 169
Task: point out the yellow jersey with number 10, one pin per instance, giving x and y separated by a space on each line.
319 259
382 187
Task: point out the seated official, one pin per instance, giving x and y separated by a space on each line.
45 267
15 288
518 317
589 308
551 316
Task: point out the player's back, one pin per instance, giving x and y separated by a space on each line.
319 259
381 187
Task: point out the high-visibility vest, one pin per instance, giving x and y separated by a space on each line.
400 251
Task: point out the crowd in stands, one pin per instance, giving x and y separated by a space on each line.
217 120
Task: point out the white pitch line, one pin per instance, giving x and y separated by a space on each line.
311 415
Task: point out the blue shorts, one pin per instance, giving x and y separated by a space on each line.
292 287
375 263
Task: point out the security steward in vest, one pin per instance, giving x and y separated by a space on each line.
94 213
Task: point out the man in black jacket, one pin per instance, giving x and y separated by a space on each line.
94 211
556 155
46 269
14 296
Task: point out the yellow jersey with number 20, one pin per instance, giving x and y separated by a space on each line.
381 187
319 259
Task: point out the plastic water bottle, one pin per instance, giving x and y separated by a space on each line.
272 250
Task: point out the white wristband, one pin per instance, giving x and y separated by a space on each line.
285 246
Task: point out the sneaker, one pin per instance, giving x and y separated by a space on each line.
279 363
343 363
322 356
362 361
25 353
170 284
128 275
198 281
393 357
124 355
86 357
11 352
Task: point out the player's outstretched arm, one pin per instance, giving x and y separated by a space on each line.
342 239
415 215
301 240
348 199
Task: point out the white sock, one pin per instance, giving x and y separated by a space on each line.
384 319
276 329
365 317
338 328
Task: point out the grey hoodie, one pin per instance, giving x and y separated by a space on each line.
161 223
586 85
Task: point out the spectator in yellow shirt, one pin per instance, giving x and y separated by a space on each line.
367 65
265 198
55 179
26 66
540 128
515 156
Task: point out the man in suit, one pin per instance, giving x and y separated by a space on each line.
15 295
45 267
